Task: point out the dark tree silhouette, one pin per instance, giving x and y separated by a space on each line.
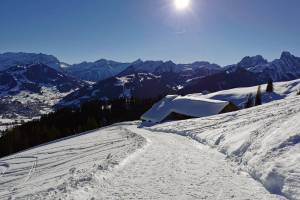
70 121
270 87
258 98
250 101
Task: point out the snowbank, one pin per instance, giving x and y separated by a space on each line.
194 106
264 141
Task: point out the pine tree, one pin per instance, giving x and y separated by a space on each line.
270 87
258 98
91 123
250 101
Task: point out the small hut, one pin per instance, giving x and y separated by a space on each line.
174 107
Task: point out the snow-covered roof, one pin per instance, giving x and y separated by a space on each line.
190 105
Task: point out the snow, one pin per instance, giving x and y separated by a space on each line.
215 157
125 162
194 106
66 169
238 96
39 104
263 141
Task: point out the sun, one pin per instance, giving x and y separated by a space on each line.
181 4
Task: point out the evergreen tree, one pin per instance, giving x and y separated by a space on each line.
91 124
270 87
258 98
250 101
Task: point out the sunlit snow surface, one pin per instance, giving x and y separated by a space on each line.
264 141
160 162
62 168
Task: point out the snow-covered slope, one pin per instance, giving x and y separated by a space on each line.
239 96
264 141
71 168
27 92
11 59
97 165
140 85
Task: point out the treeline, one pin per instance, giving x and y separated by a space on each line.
69 121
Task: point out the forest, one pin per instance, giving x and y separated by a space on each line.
72 120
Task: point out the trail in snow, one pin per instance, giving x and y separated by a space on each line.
176 167
100 165
264 141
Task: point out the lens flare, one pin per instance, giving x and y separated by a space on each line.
181 4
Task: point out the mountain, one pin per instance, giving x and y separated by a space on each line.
10 59
159 67
146 79
248 61
29 91
283 69
96 71
221 81
33 77
249 71
287 67
140 85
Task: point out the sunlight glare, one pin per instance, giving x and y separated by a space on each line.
181 4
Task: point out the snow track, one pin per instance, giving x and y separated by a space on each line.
126 162
176 167
263 141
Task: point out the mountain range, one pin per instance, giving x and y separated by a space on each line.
105 79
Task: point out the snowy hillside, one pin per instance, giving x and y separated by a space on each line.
136 85
98 165
26 106
239 95
260 143
264 141
66 169
27 92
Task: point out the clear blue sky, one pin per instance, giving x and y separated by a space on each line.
220 31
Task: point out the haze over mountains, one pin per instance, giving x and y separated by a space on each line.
23 75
